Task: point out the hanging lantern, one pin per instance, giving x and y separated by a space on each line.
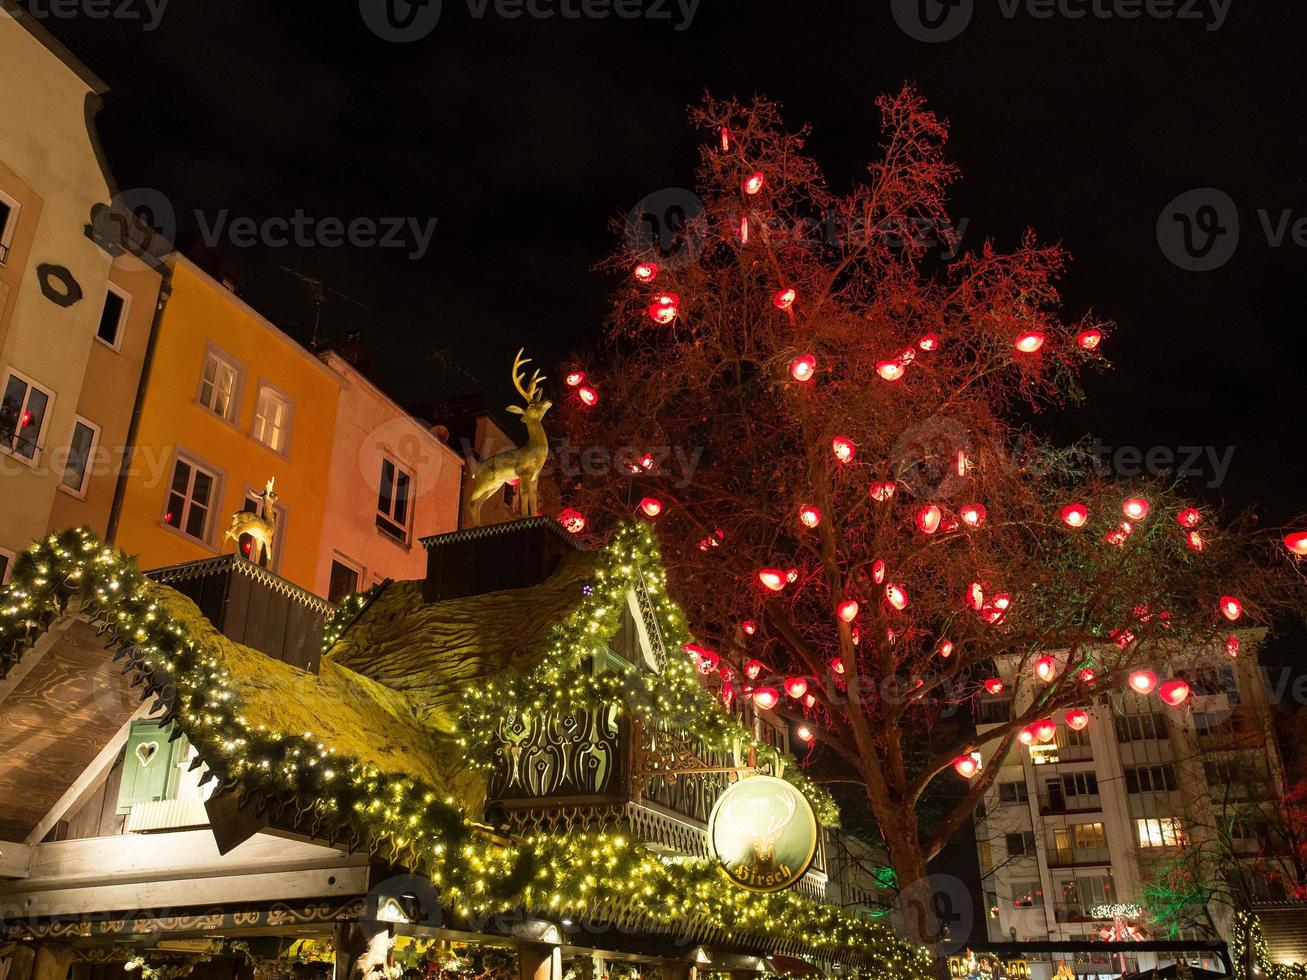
744 230
573 520
695 651
930 342
996 608
976 596
847 610
1135 508
1028 735
1030 341
1116 537
1046 668
766 698
727 673
897 596
1143 681
727 695
803 368
1296 542
575 378
589 397
994 686
1232 646
1086 675
945 648
1045 729
891 370
878 571
772 578
1194 540
749 627
1075 515
664 308
1123 638
1231 608
928 518
1077 719
804 734
796 687
784 299
791 575
1189 517
973 514
1174 692
754 183
882 491
809 700
837 665
645 272
809 517
843 449
726 140
753 668
651 507
1089 339
967 765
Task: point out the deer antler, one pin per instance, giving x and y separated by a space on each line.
532 391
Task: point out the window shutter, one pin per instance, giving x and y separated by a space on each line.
149 765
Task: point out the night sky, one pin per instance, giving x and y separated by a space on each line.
526 137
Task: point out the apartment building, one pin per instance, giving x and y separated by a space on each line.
1074 830
76 311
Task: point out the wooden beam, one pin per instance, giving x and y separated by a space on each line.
15 859
90 779
44 644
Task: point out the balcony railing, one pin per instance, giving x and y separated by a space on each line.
1065 803
1070 857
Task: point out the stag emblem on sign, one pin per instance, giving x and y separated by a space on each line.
521 465
763 833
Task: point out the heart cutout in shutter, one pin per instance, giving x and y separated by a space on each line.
147 751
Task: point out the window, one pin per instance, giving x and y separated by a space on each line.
344 580
986 853
6 557
113 317
1159 832
190 497
80 450
272 420
24 409
995 712
8 221
1138 728
1149 779
1080 784
218 386
1080 842
1084 894
1027 895
393 500
1013 792
1020 844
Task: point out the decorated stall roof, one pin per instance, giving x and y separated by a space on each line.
387 760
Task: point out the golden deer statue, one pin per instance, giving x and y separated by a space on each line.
261 528
522 464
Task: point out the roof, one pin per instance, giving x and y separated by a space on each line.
52 44
433 652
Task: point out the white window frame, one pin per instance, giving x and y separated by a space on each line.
223 359
407 527
288 414
7 232
80 491
126 297
35 458
214 503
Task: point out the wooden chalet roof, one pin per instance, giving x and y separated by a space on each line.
432 652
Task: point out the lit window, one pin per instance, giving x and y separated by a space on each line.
1027 895
1159 832
271 420
218 386
80 450
190 498
393 505
23 412
113 317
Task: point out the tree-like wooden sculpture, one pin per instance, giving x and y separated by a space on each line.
523 464
260 528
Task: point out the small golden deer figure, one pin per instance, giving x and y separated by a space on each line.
261 528
522 464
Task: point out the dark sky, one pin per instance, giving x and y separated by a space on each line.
525 137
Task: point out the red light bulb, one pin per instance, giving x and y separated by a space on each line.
1189 517
809 517
766 697
1174 692
589 397
784 299
664 308
994 686
878 571
847 610
754 183
753 668
803 368
796 687
843 449
1046 668
1077 719
882 491
1231 608
967 765
1089 339
891 370
928 518
945 648
973 514
896 596
1030 341
1135 508
645 272
1075 515
1143 681
772 578
575 378
651 507
572 520
930 342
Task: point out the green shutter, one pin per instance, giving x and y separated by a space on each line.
149 765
